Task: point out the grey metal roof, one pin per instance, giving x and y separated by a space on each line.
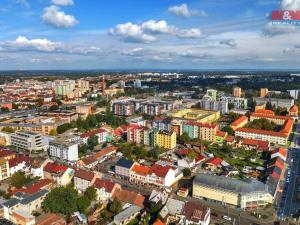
126 213
230 184
34 196
11 202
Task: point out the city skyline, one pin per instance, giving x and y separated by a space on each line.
192 34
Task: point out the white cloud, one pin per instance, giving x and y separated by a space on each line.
23 2
24 43
132 33
154 27
290 4
184 11
180 10
195 54
63 2
189 33
145 32
272 29
132 52
228 42
56 18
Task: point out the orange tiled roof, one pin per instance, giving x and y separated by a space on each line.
143 170
264 132
265 111
239 121
294 109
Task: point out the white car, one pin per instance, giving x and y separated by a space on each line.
226 218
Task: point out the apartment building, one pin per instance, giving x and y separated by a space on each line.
221 106
63 150
203 131
238 102
28 140
165 139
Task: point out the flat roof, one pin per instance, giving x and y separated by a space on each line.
229 184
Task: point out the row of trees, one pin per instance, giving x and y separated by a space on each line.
93 121
132 151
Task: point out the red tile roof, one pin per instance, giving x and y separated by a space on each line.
264 132
265 111
200 158
281 151
294 109
105 151
160 171
259 143
287 127
54 168
34 187
195 212
215 161
220 133
158 222
106 184
270 116
239 121
19 159
83 174
5 153
130 197
93 132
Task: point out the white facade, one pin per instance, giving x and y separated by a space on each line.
28 140
239 103
64 151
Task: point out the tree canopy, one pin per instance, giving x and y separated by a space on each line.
61 200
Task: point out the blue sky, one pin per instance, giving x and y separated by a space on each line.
146 34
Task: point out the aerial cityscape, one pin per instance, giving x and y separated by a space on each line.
149 112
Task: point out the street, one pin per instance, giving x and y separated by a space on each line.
290 203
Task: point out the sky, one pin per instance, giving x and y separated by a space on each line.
146 35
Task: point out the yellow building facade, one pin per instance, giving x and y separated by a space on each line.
165 139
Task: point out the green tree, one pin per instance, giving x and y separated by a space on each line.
184 137
83 203
229 130
53 132
192 155
19 179
63 128
53 107
61 200
82 150
8 129
92 142
91 193
104 217
115 207
186 172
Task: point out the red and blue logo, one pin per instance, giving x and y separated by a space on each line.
286 17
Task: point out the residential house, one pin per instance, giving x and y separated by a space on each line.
83 179
163 176
123 168
196 214
105 189
127 215
61 174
